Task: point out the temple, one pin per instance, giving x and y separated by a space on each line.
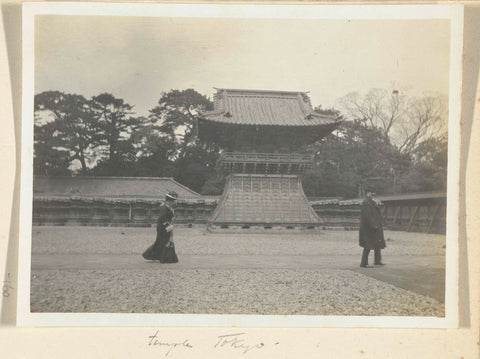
264 135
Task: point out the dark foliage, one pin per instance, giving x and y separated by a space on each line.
357 157
64 123
108 140
114 123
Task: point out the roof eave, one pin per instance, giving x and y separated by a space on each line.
260 91
332 122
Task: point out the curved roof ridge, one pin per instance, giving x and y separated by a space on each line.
259 90
139 186
108 177
266 107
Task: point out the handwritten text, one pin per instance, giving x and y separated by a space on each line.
236 341
7 286
155 341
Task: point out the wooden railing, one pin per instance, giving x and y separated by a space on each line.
264 163
265 157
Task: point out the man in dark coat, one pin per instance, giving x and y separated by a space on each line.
371 231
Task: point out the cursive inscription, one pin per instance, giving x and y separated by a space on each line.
236 341
7 286
155 341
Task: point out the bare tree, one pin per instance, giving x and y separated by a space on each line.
425 119
403 120
378 108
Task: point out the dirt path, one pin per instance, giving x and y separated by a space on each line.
85 269
421 274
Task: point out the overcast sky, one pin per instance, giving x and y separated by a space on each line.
139 58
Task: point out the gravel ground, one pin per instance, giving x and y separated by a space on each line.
283 292
166 289
104 240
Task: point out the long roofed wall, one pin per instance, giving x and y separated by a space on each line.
112 201
110 187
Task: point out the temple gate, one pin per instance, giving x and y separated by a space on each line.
264 134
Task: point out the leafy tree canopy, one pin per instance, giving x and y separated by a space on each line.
177 113
387 142
65 122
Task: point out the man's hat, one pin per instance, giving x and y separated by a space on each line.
172 195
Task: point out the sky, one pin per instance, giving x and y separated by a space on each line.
138 58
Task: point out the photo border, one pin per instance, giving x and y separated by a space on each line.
454 13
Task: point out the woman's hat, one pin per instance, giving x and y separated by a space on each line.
172 195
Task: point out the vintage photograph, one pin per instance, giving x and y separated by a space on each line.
246 166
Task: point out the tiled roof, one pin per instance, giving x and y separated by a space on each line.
110 187
259 107
382 199
411 196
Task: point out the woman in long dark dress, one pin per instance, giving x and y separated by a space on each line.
163 249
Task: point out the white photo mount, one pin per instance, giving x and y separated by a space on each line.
452 13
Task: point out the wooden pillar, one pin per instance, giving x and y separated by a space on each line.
432 220
149 212
397 212
412 219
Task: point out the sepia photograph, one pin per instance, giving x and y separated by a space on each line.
256 166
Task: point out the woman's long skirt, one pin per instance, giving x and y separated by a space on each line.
160 251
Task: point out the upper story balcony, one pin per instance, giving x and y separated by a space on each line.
264 163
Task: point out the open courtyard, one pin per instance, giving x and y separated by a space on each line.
290 272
